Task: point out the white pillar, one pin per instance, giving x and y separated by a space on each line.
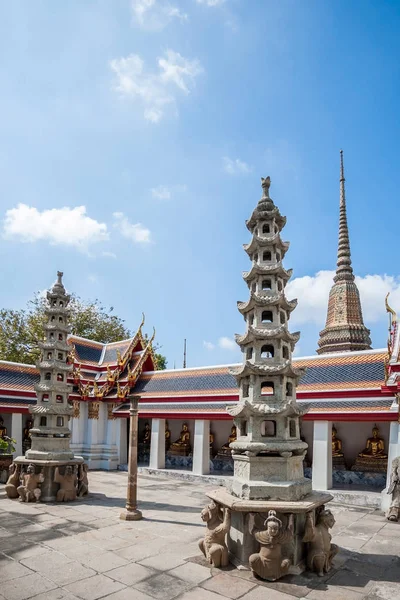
322 456
201 448
393 451
16 432
157 448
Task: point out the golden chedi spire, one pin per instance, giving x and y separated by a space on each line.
344 329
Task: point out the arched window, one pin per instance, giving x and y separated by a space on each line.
53 319
49 356
292 428
60 320
268 429
60 356
285 352
278 257
267 255
45 397
60 377
289 389
43 421
59 399
266 316
61 303
254 287
54 303
266 284
266 228
51 335
60 421
267 388
282 318
267 352
245 389
249 353
47 376
60 337
242 428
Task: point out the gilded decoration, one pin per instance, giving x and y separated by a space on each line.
77 409
110 408
93 410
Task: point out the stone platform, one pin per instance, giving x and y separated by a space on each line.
242 544
49 488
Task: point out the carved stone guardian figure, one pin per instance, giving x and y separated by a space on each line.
68 484
320 551
394 489
83 483
13 481
213 546
268 563
29 490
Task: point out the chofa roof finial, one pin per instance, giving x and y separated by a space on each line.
265 184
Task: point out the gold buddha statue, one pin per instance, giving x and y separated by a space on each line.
3 429
146 436
338 463
336 443
226 450
182 445
373 457
167 436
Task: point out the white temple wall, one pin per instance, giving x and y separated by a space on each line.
307 432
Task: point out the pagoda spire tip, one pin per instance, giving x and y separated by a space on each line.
265 184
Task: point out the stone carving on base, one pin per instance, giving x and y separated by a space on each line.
268 563
83 483
320 551
29 490
213 546
394 489
68 484
13 481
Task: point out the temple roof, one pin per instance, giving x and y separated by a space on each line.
95 353
266 299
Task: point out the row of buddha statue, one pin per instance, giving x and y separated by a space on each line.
371 459
182 446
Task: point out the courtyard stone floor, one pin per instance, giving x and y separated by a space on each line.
82 550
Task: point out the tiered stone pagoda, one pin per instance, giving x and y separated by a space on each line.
50 434
268 452
344 330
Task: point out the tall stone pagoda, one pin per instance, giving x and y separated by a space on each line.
344 329
50 434
268 452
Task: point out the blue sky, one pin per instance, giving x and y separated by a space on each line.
159 119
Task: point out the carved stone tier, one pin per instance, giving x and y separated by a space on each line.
242 544
48 487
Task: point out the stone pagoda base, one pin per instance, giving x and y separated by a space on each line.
264 477
242 544
48 487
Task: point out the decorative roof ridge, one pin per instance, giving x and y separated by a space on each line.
72 336
264 299
15 364
276 266
341 354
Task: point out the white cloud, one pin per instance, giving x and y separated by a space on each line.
208 345
135 232
154 15
312 293
165 192
93 278
227 343
211 2
162 192
236 166
59 226
155 91
109 254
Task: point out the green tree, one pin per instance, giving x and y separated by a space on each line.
21 330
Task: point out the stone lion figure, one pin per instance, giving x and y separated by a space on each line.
394 489
213 545
320 551
13 481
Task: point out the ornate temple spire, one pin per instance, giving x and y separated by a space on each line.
344 330
344 270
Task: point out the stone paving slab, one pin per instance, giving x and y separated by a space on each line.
83 551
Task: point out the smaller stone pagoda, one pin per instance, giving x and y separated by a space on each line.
50 458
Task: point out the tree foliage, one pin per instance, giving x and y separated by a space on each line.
21 330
